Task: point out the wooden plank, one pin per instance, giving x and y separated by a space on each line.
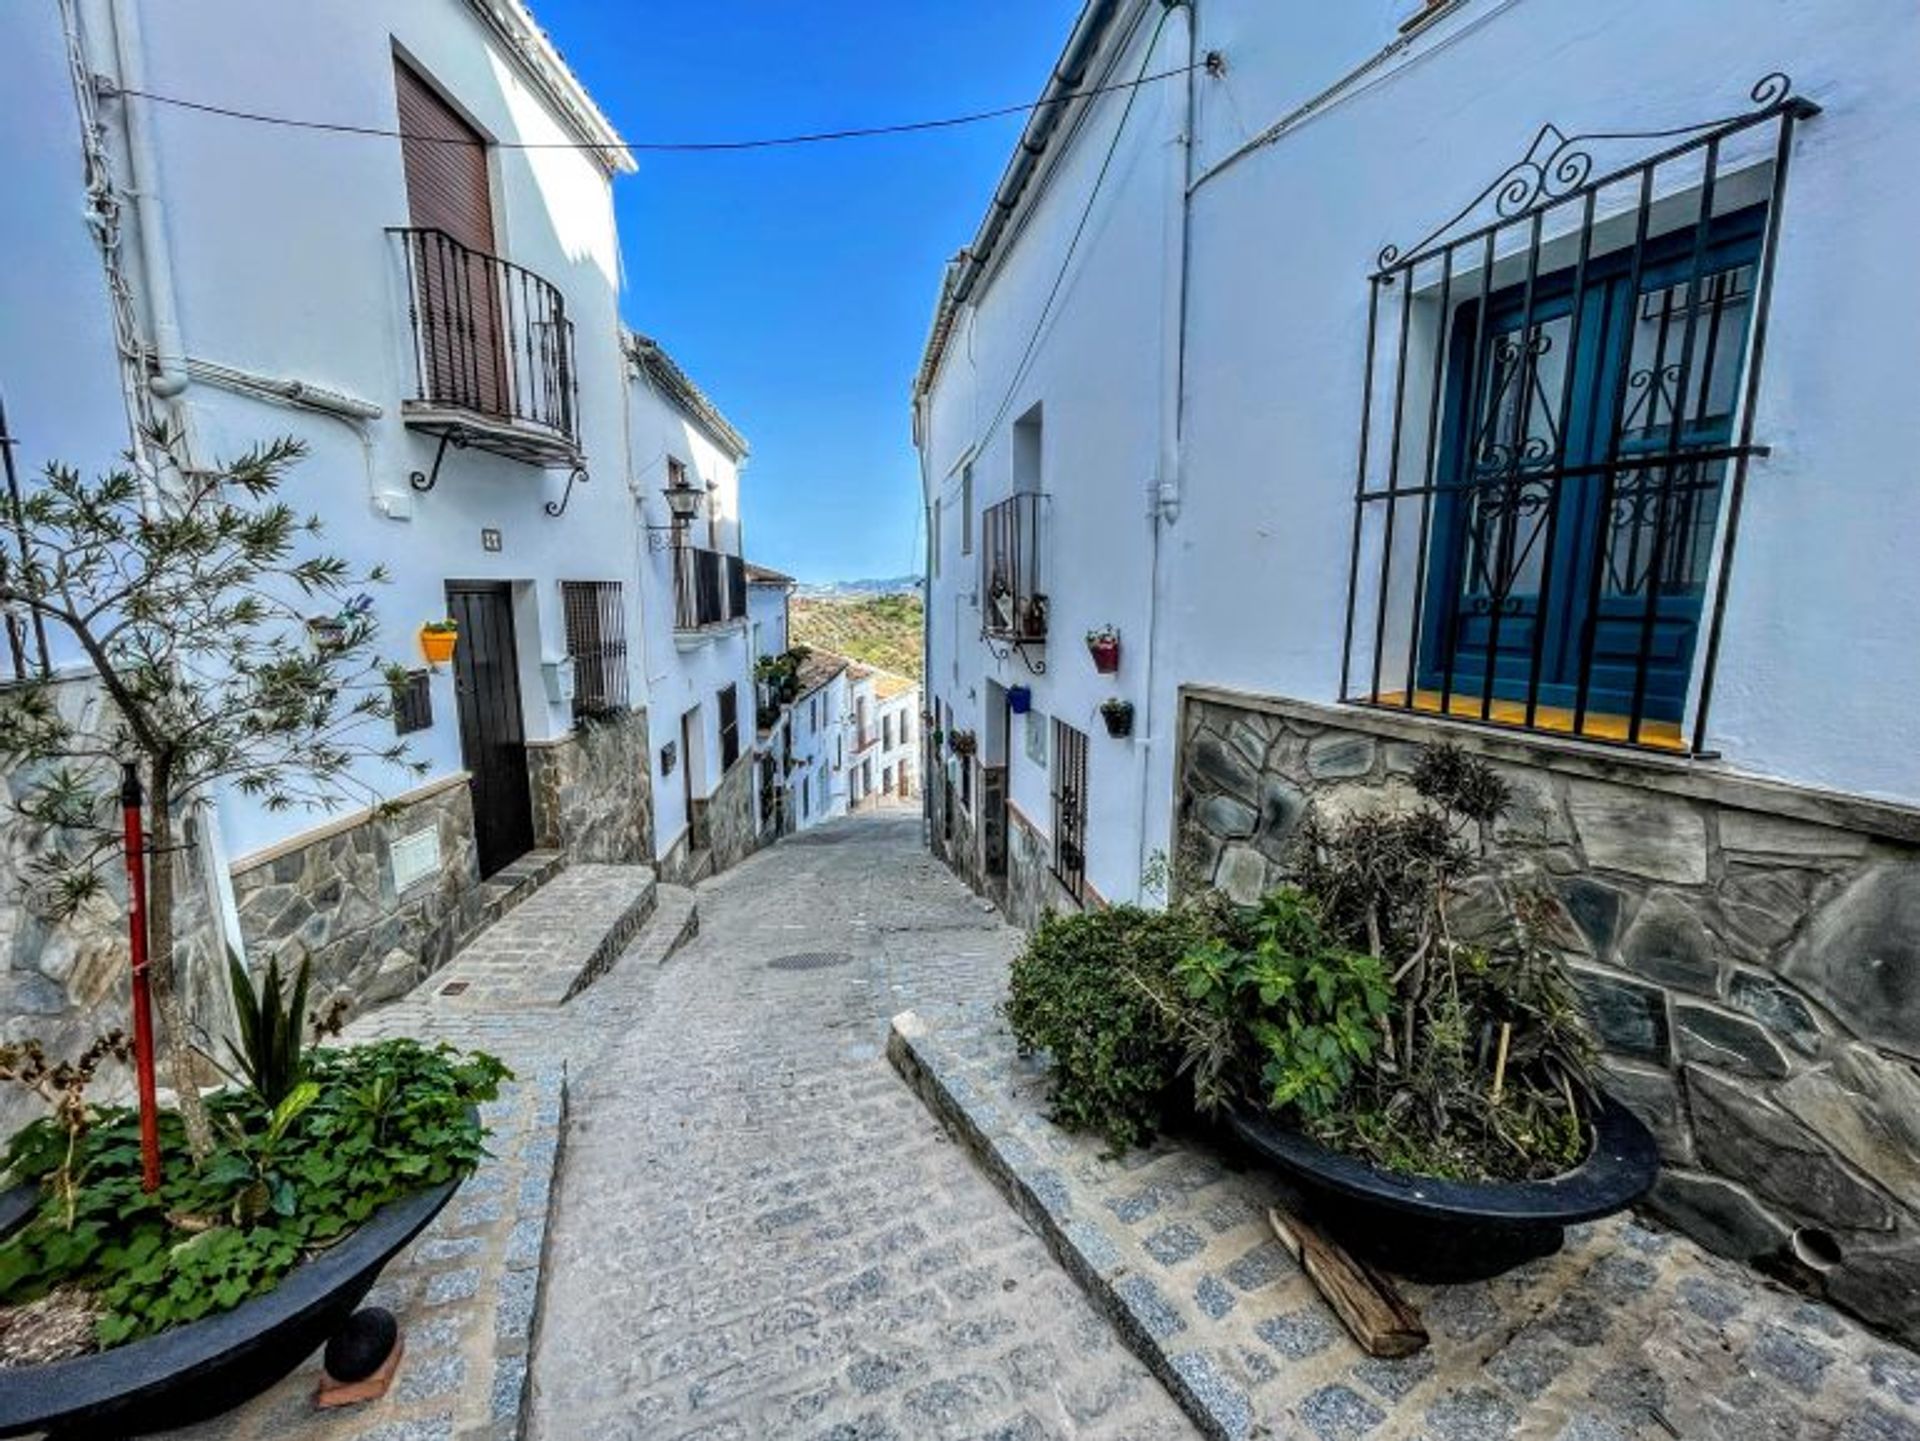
1367 1303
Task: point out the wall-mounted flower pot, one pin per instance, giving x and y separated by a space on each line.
1118 714
437 643
1019 699
965 743
1104 646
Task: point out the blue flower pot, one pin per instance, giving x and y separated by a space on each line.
1019 699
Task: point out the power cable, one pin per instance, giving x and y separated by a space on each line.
814 137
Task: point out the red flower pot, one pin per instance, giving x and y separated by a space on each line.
1106 656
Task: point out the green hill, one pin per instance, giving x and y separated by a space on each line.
882 630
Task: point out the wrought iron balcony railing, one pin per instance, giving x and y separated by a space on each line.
491 340
709 588
1013 600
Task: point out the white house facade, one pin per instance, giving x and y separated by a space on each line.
1510 372
817 747
433 310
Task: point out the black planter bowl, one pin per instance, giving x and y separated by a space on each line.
197 1371
1427 1229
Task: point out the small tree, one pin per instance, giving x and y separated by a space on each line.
190 607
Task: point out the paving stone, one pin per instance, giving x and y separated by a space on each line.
1299 1334
1792 1358
1173 1244
1339 1413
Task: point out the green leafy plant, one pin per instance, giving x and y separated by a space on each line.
1280 1010
367 1126
1090 990
269 1051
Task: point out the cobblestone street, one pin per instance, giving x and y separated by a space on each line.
761 1233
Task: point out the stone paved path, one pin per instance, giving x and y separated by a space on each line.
761 1233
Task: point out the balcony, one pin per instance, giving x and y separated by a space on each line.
1013 595
709 588
492 352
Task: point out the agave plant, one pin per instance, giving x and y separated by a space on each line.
270 1054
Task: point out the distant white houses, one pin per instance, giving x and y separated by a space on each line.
1529 376
436 317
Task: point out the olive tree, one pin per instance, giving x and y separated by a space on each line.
234 658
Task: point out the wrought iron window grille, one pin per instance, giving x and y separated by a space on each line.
1070 810
597 641
1013 595
1556 427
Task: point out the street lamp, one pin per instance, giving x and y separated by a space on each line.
683 504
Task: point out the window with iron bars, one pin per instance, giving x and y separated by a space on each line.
729 727
1557 425
1070 809
597 641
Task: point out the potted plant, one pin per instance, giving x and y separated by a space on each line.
965 743
1019 699
181 1304
438 639
1118 714
1033 618
1423 1074
1103 645
335 632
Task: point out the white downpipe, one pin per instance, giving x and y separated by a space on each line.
1163 508
150 204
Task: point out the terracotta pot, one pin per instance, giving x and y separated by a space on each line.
438 645
1106 656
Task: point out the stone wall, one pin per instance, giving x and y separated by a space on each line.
1750 954
593 792
1027 892
726 818
330 894
67 981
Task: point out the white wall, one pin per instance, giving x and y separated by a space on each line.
1818 662
767 617
1095 374
685 670
823 748
281 266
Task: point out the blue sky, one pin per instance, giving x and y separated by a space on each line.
796 285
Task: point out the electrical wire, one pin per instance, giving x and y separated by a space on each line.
1066 261
769 142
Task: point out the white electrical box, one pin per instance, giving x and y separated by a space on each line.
559 678
416 857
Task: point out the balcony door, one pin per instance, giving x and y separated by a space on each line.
450 207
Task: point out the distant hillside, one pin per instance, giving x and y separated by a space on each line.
847 589
882 630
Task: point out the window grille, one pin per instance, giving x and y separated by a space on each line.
412 703
597 641
729 727
1070 809
1556 429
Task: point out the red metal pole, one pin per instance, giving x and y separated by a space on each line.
130 800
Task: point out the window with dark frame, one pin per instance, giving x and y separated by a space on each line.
1070 809
1557 423
597 642
729 727
412 703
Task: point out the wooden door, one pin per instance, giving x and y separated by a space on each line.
493 742
456 280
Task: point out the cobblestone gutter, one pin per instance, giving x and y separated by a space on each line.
1629 1332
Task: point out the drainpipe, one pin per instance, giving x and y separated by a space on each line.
1164 499
150 204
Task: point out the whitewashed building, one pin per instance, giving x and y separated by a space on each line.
1522 373
816 751
432 307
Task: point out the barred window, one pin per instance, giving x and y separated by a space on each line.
1070 809
1557 424
597 642
729 727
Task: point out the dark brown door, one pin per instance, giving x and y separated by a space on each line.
493 745
450 201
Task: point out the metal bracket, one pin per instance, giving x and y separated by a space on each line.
424 481
577 475
1017 647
